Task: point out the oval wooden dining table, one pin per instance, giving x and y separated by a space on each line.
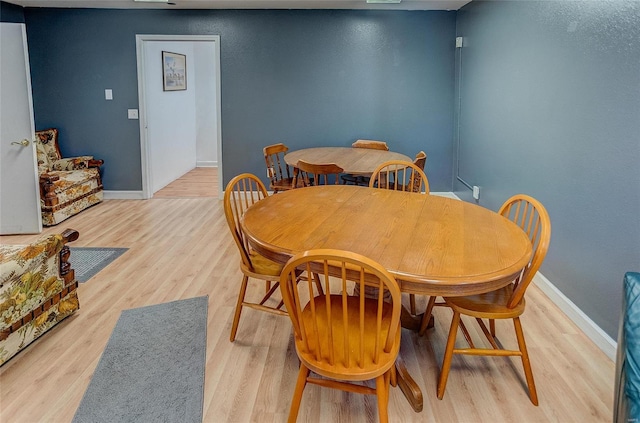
354 161
433 245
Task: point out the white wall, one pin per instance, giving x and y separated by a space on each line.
171 116
206 123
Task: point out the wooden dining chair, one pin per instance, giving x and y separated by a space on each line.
306 174
280 175
360 179
343 339
420 160
401 176
505 303
242 192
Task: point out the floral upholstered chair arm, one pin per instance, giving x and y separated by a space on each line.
75 163
30 275
38 290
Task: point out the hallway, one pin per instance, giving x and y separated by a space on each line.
199 182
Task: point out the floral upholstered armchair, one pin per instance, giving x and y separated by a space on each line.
37 290
67 185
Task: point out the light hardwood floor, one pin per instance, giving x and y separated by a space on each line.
181 248
199 182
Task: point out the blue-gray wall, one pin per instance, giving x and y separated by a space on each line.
302 77
550 106
11 13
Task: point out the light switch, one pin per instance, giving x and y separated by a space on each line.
108 94
132 113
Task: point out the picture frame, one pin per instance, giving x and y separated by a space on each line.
174 71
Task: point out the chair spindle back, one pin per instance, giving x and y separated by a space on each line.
338 329
532 217
316 174
372 144
401 176
277 168
242 192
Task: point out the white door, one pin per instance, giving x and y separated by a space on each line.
19 190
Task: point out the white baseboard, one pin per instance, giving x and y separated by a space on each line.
577 316
206 164
446 194
123 195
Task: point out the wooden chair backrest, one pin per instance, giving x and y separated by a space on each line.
316 174
277 168
401 176
420 160
532 217
372 144
351 327
241 193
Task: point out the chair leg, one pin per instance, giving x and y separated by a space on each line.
492 327
448 354
297 394
382 391
533 395
267 285
412 303
393 378
427 315
236 316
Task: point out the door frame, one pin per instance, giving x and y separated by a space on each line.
145 154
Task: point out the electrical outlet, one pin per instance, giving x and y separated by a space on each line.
476 192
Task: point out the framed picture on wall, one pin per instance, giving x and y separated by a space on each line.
174 71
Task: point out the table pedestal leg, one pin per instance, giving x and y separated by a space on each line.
411 322
408 386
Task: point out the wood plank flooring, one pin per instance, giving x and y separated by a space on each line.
181 248
199 182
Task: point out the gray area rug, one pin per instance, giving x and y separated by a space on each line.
87 262
152 369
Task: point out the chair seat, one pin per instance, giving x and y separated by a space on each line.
72 178
338 370
281 184
490 305
264 266
355 179
73 184
284 184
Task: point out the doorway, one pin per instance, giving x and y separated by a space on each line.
197 183
179 130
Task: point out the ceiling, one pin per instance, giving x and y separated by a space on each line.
248 4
